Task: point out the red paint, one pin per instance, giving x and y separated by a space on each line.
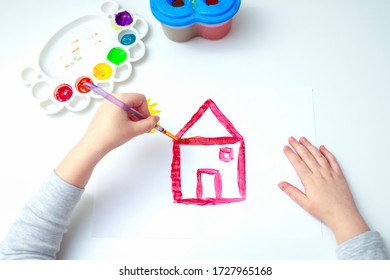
177 3
211 2
80 84
217 182
208 201
226 154
215 31
175 173
208 141
63 92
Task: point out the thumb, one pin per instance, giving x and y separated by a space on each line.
145 125
294 193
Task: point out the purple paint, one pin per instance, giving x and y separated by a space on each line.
123 18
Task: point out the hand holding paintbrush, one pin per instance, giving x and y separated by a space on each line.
131 111
109 129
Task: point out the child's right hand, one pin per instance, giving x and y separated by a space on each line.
111 126
327 195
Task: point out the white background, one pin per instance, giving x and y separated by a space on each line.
340 49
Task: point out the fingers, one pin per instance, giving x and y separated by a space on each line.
306 152
296 161
136 126
314 158
295 194
331 159
139 102
136 101
145 125
309 161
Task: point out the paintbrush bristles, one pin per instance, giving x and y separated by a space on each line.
167 133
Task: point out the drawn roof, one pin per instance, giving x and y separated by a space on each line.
223 120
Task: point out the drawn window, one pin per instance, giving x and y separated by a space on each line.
226 154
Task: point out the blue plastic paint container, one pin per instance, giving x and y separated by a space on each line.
184 19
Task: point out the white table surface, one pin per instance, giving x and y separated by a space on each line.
340 49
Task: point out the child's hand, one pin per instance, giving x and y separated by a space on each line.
112 126
327 195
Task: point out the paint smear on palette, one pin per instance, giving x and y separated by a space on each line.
221 159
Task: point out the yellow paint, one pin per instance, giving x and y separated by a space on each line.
153 112
102 71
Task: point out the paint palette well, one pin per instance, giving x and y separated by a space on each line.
98 49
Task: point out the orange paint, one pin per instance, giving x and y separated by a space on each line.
80 84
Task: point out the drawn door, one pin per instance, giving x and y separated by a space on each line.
201 178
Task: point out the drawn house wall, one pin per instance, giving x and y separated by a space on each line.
216 174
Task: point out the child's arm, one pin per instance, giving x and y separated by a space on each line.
38 231
327 195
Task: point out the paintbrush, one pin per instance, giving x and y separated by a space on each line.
127 108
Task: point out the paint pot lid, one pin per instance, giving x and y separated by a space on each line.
194 12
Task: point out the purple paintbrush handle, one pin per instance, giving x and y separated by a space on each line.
115 100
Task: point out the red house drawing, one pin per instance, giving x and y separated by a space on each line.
221 164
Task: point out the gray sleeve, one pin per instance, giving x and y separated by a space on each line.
366 246
38 231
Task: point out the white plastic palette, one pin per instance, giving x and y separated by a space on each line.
98 49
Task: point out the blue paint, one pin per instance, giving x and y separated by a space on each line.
128 39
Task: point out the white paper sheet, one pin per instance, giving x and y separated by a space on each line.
134 188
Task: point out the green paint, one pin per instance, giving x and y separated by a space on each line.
117 55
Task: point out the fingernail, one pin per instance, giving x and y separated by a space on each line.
292 139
